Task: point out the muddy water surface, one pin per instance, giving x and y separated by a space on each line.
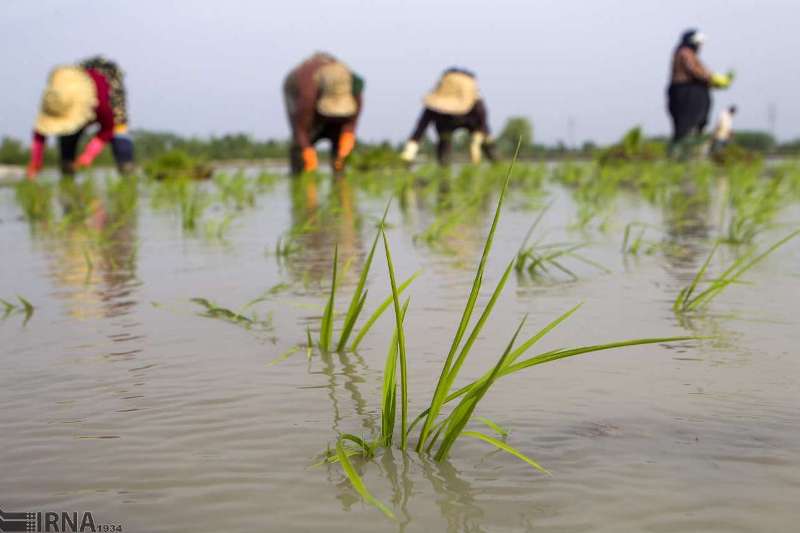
118 398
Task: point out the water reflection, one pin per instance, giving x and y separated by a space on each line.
92 250
446 212
455 496
323 216
687 228
351 367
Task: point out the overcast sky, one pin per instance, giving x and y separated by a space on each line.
212 67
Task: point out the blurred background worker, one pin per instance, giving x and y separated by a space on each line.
689 95
723 131
323 101
76 97
455 103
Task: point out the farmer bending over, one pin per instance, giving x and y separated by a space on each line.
76 97
323 101
455 103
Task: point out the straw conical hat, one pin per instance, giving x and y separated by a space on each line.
68 102
336 91
455 94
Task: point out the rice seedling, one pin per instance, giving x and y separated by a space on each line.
284 356
122 196
752 206
693 297
539 260
79 201
217 228
24 308
192 204
380 310
177 164
285 246
460 201
36 200
236 190
185 195
354 478
357 302
442 428
276 289
212 310
633 241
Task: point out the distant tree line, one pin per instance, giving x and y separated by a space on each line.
151 144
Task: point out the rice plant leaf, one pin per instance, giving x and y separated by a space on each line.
524 347
389 391
563 269
326 326
27 309
356 302
357 482
591 262
493 426
7 307
367 449
441 390
684 295
401 346
350 322
555 355
546 357
532 228
461 415
506 448
215 311
380 310
730 276
462 356
284 356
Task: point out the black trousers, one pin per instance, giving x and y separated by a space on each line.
121 148
329 128
446 125
689 105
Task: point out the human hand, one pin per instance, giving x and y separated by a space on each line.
410 151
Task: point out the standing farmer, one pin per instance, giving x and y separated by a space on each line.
455 103
323 101
76 97
689 95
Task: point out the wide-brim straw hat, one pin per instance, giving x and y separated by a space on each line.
68 102
455 94
336 91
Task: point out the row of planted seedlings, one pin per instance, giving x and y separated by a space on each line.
209 204
98 214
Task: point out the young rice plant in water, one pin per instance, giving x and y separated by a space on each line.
693 296
440 429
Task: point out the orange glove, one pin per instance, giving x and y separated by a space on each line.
347 141
309 159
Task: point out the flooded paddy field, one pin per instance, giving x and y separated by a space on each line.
163 378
